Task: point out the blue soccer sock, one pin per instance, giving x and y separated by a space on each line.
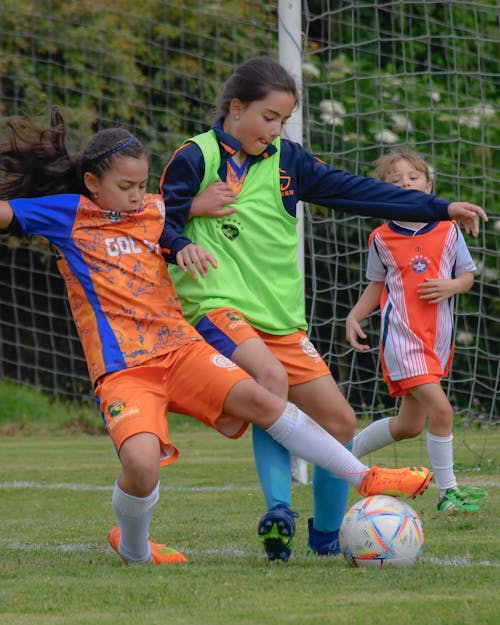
330 499
274 469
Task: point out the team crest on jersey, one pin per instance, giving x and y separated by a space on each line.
231 229
115 408
309 349
114 216
419 264
221 361
285 184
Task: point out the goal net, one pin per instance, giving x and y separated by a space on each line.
384 75
375 75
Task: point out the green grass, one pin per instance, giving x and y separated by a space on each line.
56 567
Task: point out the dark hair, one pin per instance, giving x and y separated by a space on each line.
35 161
253 81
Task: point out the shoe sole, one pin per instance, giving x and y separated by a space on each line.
277 544
422 486
276 549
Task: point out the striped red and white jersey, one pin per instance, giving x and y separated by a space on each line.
416 336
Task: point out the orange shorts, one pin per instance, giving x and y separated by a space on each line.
192 380
398 388
226 328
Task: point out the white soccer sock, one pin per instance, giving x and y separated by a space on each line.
306 439
134 516
372 437
440 450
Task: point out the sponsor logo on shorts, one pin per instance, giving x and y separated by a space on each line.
118 411
309 349
236 320
221 361
116 407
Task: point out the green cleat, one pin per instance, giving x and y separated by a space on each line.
454 500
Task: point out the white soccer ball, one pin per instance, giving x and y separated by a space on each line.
381 532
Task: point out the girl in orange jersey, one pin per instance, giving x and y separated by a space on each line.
415 270
143 357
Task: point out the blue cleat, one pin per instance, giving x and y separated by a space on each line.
322 543
276 531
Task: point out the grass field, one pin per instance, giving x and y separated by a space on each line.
56 567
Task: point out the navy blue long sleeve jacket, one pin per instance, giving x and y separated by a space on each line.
303 177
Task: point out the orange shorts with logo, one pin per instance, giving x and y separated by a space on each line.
226 328
193 380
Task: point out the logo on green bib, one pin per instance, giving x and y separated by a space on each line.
231 229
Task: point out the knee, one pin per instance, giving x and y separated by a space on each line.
274 377
410 430
341 424
139 474
347 423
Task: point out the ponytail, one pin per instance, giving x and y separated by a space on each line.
34 161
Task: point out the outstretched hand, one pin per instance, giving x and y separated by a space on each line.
195 259
214 201
468 214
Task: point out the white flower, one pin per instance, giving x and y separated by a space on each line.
339 67
332 106
466 338
393 80
484 110
331 112
497 225
386 136
328 118
310 71
471 121
401 123
434 95
490 274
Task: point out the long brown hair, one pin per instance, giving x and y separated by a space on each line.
35 161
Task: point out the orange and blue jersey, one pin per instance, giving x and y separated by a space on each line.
121 295
416 336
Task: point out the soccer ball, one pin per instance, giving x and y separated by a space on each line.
381 532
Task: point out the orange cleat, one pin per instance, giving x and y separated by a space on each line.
160 554
409 482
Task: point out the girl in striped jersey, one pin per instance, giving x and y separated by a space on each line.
415 270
